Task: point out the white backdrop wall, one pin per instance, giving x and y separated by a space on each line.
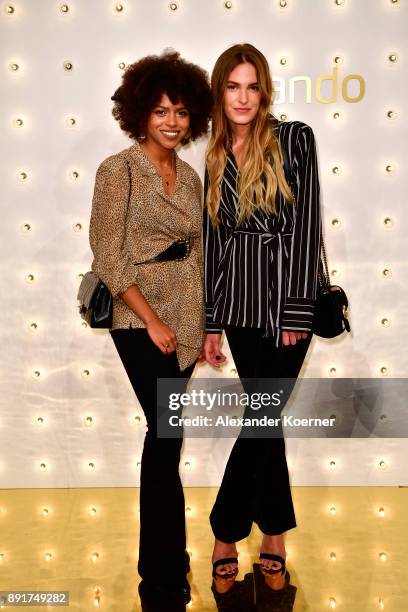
67 409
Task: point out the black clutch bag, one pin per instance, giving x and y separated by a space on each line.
95 302
331 307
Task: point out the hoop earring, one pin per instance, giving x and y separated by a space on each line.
141 138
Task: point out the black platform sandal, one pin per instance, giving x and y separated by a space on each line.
227 575
271 557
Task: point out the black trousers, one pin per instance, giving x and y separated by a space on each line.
255 486
162 515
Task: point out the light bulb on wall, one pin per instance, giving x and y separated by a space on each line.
382 556
333 556
228 5
338 59
64 8
122 65
18 122
283 61
173 6
92 510
337 116
48 556
71 122
29 278
14 67
68 66
77 227
392 114
22 176
381 512
388 223
9 9
336 170
33 326
119 7
335 223
36 374
283 3
387 273
332 510
26 227
393 58
385 322
283 116
389 168
384 371
86 373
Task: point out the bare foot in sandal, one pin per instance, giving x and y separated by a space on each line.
225 566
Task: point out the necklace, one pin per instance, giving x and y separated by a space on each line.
166 176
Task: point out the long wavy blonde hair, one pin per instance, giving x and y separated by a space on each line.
262 170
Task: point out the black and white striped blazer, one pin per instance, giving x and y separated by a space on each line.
263 273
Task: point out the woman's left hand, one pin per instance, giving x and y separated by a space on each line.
290 337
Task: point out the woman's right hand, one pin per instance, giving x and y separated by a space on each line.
212 350
162 335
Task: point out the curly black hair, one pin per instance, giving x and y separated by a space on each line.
144 83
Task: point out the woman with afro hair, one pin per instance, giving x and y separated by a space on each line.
145 234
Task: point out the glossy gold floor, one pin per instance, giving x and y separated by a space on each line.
350 545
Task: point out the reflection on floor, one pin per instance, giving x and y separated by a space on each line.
349 551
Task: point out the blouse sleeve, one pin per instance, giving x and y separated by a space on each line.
305 250
108 227
212 255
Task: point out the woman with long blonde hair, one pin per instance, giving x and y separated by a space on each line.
262 245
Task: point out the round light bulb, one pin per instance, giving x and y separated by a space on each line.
382 556
336 170
17 123
10 10
14 67
91 465
283 61
26 227
228 4
64 8
95 556
36 374
391 114
119 8
40 420
173 6
393 58
388 222
333 371
332 510
381 604
283 116
45 511
382 464
337 116
48 556
336 223
332 602
71 121
187 465
333 556
122 65
92 511
283 3
43 466
384 370
389 168
84 325
22 176
385 322
77 227
383 417
74 175
387 273
80 276
137 419
88 420
33 326
30 278
86 373
339 2
332 464
338 59
381 511
68 66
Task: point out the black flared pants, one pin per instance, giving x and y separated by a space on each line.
255 486
162 508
